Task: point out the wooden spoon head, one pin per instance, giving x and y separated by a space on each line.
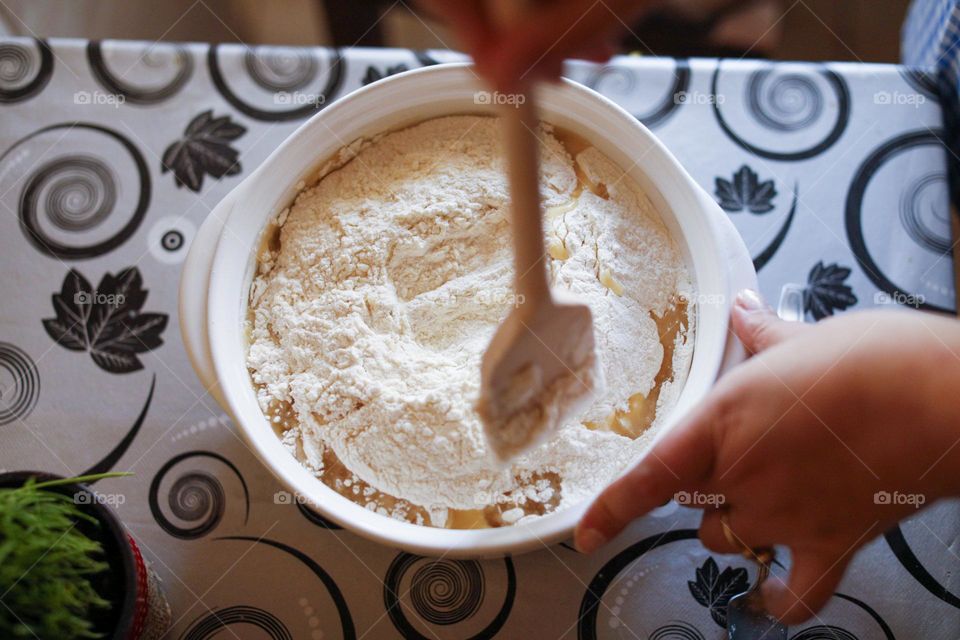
539 371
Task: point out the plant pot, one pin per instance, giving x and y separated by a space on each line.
139 610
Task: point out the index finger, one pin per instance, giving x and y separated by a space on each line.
682 460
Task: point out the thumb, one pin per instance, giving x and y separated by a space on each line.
813 579
756 324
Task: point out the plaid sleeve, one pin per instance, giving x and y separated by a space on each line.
927 32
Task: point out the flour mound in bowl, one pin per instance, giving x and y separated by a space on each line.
371 309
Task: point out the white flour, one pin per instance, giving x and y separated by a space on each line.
392 274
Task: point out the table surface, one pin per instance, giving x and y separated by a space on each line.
111 156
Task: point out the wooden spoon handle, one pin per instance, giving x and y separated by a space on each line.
520 140
520 125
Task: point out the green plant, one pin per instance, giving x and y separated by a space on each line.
47 562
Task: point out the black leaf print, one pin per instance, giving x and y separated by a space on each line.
204 149
373 74
713 588
745 191
106 321
826 291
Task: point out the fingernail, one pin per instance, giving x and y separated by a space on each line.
589 540
750 300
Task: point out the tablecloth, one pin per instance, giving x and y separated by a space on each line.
112 153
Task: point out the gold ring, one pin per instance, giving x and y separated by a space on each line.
763 555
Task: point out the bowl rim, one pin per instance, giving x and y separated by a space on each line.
292 474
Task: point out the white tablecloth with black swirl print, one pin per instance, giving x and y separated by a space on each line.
112 153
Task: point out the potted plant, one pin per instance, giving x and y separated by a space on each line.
68 569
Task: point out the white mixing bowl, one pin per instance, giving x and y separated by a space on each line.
215 284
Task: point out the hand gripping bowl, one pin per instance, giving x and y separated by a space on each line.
215 284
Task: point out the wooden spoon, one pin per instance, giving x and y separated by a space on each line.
540 368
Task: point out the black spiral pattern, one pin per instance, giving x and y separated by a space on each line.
623 81
447 591
315 518
138 95
824 632
348 630
612 79
764 257
609 575
854 215
885 630
788 102
109 461
922 80
785 103
590 605
16 64
443 593
76 193
904 553
195 497
211 624
676 631
198 496
19 384
915 216
290 76
281 69
22 72
172 240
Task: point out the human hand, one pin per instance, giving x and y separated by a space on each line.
799 440
536 46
